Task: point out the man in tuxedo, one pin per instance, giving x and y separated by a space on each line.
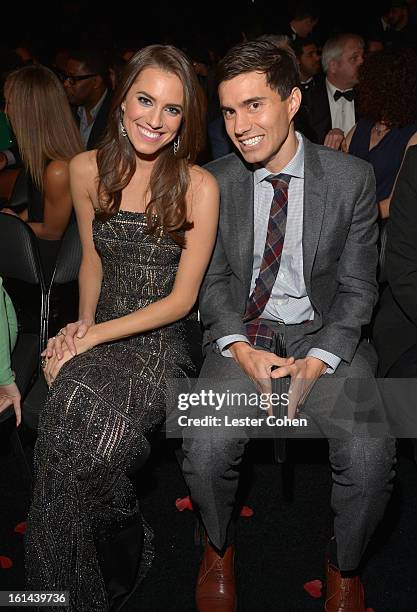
308 58
331 103
312 292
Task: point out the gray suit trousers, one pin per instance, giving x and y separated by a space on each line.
361 464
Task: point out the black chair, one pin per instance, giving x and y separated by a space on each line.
69 257
19 197
66 271
280 386
20 260
63 288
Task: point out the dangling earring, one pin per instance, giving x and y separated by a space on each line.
123 129
176 145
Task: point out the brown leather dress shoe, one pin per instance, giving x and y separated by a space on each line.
343 594
216 589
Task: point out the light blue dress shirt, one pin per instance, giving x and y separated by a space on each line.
85 127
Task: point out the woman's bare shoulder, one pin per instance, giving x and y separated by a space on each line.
84 164
57 169
202 179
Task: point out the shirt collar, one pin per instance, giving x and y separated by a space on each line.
331 88
295 166
95 109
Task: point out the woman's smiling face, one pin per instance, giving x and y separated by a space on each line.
153 110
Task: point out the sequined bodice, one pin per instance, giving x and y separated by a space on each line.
138 268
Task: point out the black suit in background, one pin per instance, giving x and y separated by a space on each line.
317 107
316 103
395 328
100 122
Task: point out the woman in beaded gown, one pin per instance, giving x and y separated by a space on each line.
147 218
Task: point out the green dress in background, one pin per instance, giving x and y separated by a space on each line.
8 336
6 137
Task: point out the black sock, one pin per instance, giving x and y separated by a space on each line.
332 556
332 552
349 573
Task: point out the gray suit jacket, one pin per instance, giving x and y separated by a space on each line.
339 248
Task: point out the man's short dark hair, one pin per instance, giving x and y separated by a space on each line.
278 64
298 45
94 60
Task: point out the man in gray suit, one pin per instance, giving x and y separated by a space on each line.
314 293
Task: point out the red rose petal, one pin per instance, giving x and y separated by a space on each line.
21 527
5 562
370 610
181 503
314 588
246 511
184 503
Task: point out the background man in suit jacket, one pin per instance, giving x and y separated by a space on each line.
317 302
86 83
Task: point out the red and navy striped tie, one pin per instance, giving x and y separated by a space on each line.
271 258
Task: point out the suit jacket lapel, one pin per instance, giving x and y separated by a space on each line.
242 198
315 189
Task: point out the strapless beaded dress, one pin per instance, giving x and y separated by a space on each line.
85 531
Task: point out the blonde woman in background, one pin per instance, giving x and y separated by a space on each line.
48 138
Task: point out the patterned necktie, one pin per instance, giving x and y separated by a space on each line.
272 253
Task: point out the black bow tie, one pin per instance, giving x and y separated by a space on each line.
349 94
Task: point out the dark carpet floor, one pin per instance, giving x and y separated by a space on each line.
279 548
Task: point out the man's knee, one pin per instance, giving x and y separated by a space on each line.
208 456
364 462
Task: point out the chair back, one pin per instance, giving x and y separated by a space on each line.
19 196
69 256
8 178
19 255
20 260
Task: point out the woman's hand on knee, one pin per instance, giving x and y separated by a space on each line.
53 365
65 338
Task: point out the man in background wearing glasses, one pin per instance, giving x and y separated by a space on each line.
86 83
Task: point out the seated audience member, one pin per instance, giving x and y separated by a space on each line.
331 105
395 328
306 283
48 138
140 284
303 18
401 33
9 393
387 101
308 58
88 87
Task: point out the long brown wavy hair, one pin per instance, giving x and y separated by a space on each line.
170 177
